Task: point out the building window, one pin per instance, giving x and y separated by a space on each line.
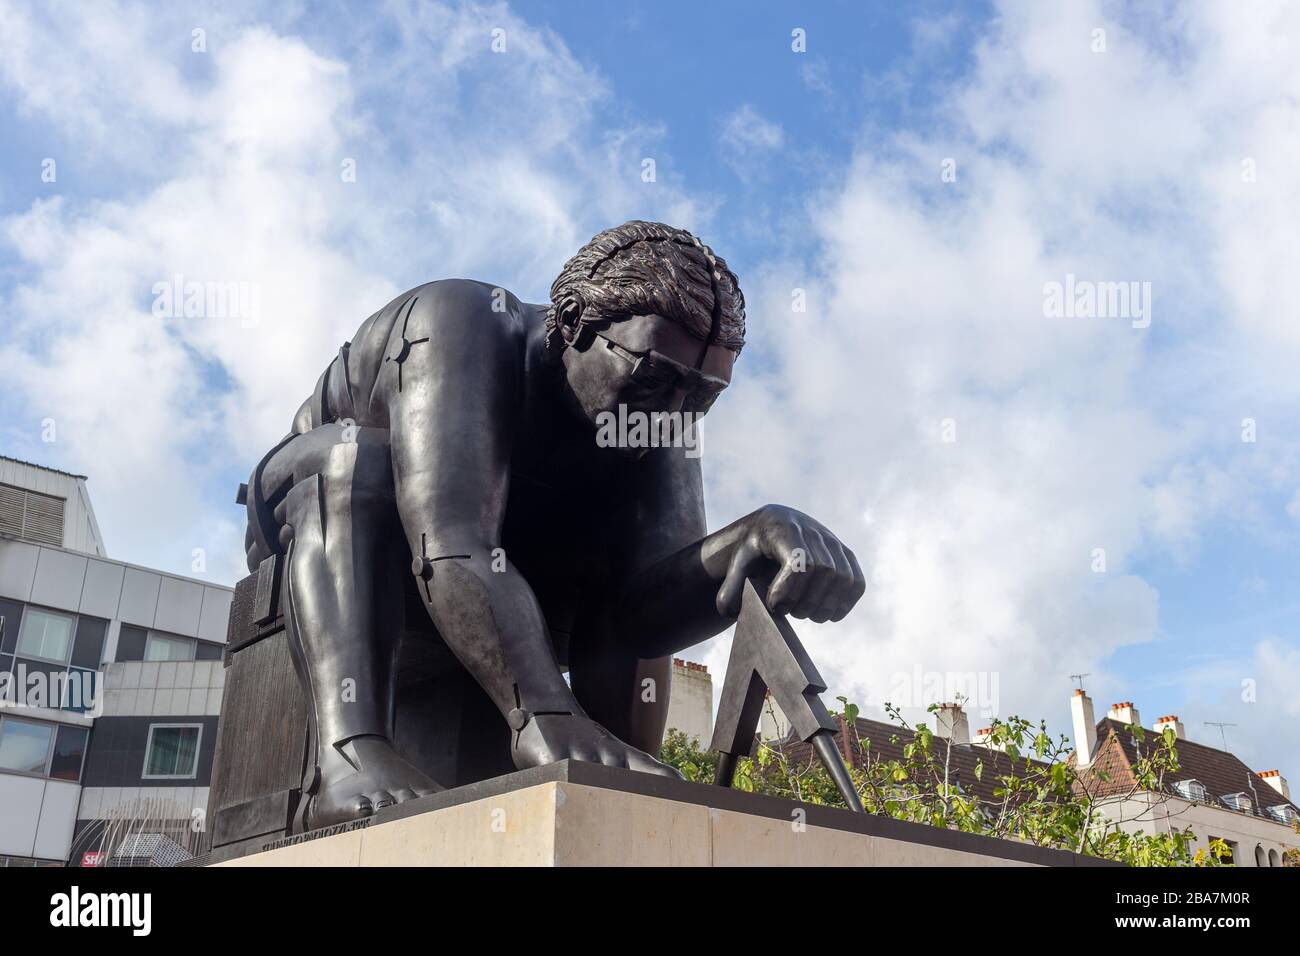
66 648
25 745
1273 858
31 515
1231 858
11 616
160 647
1192 790
69 753
1261 858
41 749
137 644
1283 813
1238 801
88 644
29 861
172 752
45 635
131 642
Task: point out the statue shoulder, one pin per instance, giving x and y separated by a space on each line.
477 310
469 297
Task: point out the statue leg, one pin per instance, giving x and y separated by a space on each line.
624 693
343 601
490 620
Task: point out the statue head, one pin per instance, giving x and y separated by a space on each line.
645 316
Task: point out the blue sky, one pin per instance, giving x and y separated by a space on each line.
1165 156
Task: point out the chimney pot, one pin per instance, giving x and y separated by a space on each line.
951 722
1171 721
1278 782
1124 712
1085 728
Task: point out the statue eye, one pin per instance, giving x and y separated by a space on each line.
655 375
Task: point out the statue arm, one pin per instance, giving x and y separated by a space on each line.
684 585
451 443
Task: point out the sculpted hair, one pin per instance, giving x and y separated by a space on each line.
644 268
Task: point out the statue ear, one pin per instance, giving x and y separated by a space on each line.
568 319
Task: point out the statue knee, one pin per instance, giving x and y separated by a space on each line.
336 470
299 515
363 470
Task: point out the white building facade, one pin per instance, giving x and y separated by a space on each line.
690 704
110 674
1213 793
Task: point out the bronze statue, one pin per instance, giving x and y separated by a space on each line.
455 438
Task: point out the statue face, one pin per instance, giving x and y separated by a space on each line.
648 364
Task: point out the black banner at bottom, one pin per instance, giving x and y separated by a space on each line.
216 904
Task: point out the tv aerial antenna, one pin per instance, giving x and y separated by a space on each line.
1222 733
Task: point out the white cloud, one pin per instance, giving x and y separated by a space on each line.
925 298
1278 667
815 75
1251 688
747 139
925 304
501 185
102 77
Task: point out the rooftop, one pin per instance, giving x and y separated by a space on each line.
32 464
1221 773
885 742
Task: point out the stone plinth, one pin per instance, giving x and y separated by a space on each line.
574 814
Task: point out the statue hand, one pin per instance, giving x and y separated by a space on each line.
816 576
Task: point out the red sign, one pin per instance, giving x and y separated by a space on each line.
90 858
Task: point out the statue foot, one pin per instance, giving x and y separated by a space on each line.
549 738
372 777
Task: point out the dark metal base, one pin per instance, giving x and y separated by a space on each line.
445 725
